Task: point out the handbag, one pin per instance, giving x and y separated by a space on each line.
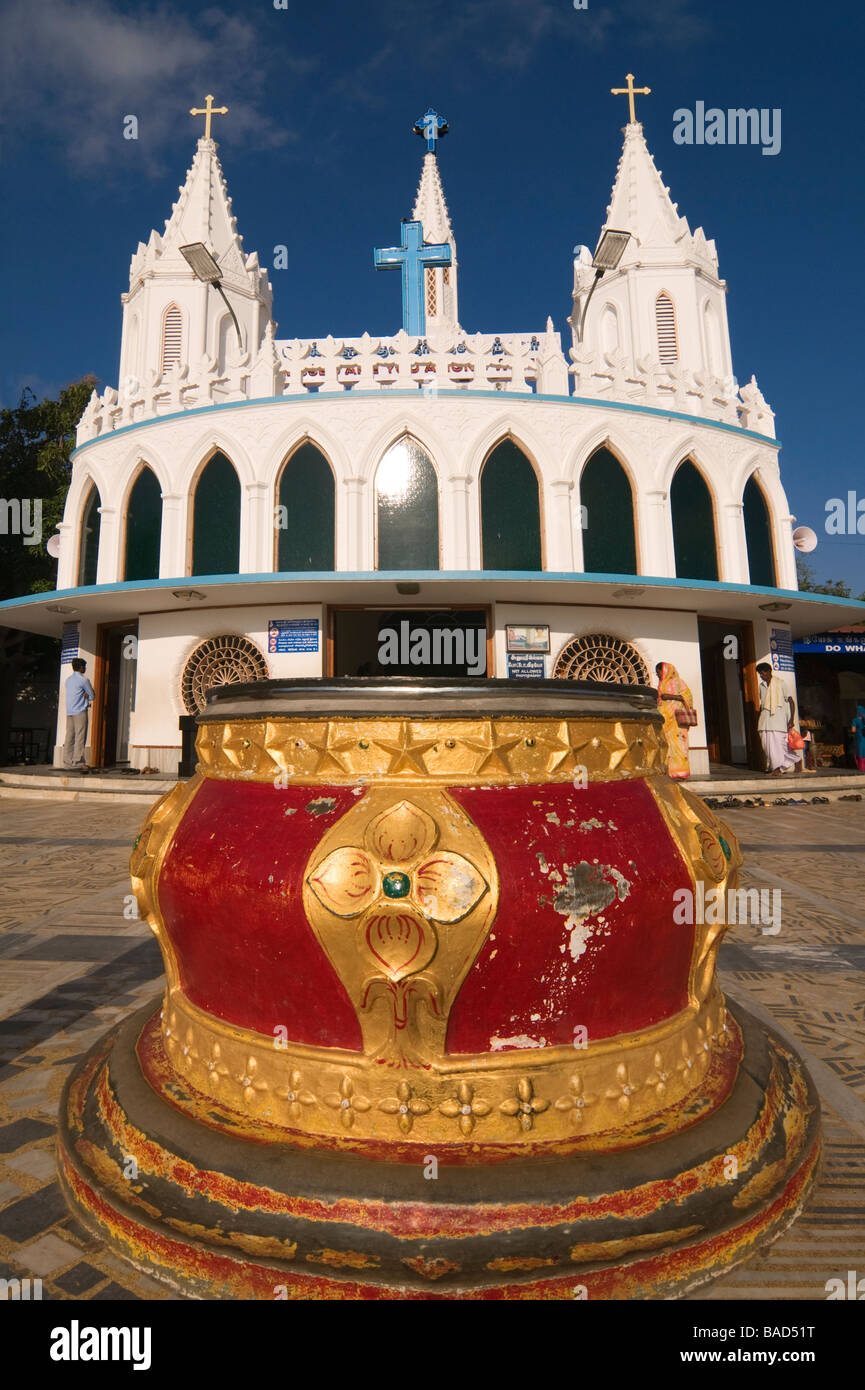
795 741
686 718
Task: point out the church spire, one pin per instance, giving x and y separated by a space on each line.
431 210
665 301
162 288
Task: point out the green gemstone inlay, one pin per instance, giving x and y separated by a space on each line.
728 853
396 884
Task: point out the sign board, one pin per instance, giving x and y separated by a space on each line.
523 638
781 647
843 643
292 635
522 666
68 643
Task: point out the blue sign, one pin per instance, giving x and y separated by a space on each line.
781 647
845 644
68 643
292 635
524 667
412 259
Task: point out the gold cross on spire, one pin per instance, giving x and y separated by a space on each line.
208 111
629 92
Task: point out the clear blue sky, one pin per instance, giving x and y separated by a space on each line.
319 155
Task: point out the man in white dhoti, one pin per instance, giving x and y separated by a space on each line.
777 712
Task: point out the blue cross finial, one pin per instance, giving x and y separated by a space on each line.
431 127
412 258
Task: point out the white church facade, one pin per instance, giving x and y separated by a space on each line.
244 505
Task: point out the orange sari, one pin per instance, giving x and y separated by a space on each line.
671 683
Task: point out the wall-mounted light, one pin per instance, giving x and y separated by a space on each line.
628 593
405 588
205 267
188 594
774 607
608 252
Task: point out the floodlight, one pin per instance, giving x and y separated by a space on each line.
610 249
202 264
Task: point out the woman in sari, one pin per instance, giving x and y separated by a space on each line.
857 728
676 703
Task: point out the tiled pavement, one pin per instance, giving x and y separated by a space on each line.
71 964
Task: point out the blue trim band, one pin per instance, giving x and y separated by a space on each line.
510 396
389 577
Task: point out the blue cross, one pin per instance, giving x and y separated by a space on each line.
431 127
412 258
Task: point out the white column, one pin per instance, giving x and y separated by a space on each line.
67 577
256 530
657 555
353 541
456 541
108 565
732 545
172 546
559 527
785 553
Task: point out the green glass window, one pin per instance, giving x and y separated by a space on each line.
510 511
307 511
693 525
609 542
407 509
216 519
88 550
143 528
758 536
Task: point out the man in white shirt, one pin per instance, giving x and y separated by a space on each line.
79 698
777 712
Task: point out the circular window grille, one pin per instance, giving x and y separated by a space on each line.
600 657
219 661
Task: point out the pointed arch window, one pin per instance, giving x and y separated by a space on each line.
758 536
88 546
609 534
216 519
665 324
693 524
172 337
510 511
407 509
306 513
143 528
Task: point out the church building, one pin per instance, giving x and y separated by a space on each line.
442 501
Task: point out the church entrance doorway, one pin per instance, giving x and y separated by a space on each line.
114 685
730 698
409 642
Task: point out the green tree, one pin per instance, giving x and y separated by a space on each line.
36 441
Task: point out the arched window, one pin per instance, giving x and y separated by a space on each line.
143 528
306 514
758 536
510 511
693 524
609 329
88 546
713 339
172 337
609 541
216 519
665 323
407 509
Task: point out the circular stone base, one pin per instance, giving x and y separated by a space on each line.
219 1216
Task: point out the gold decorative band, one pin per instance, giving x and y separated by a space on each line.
602 1096
470 750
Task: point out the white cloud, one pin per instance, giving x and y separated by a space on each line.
72 69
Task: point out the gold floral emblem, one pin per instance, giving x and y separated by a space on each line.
400 885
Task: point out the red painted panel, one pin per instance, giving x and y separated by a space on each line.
543 972
230 893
